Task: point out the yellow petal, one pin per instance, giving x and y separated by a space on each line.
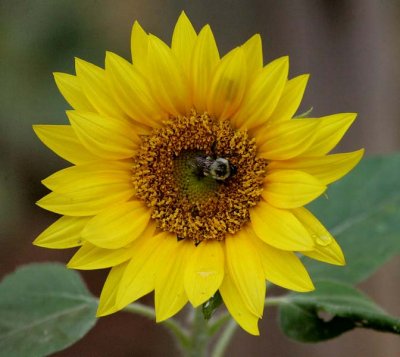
86 190
326 248
237 307
139 277
72 91
283 268
108 138
329 132
285 140
326 169
204 271
291 188
133 93
81 180
90 257
263 95
94 83
183 40
253 54
118 225
86 206
170 294
244 266
139 46
63 233
107 302
169 85
228 85
63 141
279 228
331 254
204 61
291 98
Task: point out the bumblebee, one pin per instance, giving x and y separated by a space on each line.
219 168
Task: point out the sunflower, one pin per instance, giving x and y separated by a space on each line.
189 174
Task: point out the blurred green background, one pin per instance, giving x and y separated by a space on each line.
351 49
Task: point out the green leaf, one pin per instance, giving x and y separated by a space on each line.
363 213
209 307
301 317
44 308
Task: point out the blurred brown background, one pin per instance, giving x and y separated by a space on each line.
351 48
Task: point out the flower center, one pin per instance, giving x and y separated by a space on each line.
199 176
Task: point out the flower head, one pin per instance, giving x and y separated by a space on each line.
190 174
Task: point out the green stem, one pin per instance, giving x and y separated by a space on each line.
197 343
199 337
276 301
216 326
173 326
224 339
231 327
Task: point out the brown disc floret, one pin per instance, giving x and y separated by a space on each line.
185 202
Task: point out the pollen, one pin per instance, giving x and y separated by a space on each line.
185 202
